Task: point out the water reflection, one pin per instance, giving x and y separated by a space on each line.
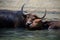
19 34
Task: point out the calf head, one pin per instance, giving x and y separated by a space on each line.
36 24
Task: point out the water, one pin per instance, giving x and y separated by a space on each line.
19 34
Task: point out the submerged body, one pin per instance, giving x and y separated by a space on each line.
54 25
10 18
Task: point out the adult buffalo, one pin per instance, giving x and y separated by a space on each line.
10 18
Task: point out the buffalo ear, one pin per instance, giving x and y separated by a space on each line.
24 16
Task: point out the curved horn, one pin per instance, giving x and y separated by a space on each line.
44 15
22 8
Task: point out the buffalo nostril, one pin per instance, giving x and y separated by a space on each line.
28 23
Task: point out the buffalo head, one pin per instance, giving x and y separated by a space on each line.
33 21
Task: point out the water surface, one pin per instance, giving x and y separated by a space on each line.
20 34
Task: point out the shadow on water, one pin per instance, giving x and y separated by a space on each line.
21 34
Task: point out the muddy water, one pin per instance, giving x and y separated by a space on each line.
21 34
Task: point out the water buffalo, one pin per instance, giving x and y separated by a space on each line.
32 21
12 18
